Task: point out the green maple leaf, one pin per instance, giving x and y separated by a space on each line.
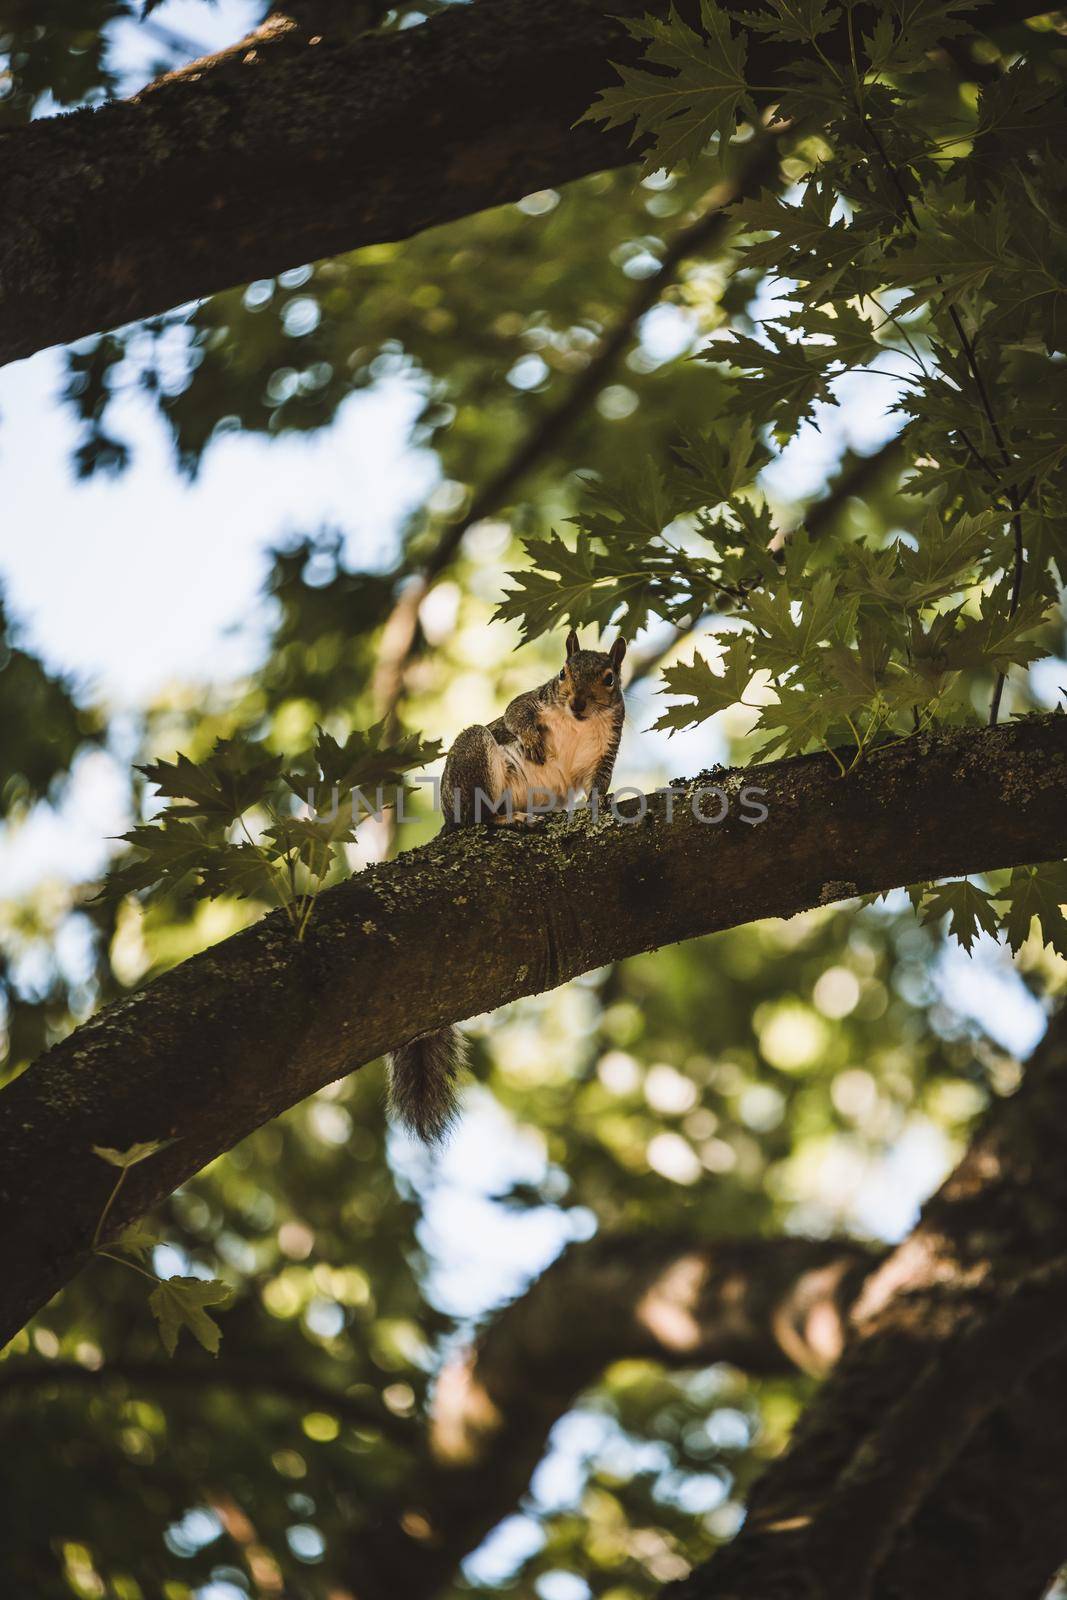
312 839
236 775
720 468
806 244
871 573
241 869
632 513
131 1156
790 21
861 670
582 586
698 92
854 342
367 760
786 641
970 908
797 229
137 1240
1039 892
946 555
1038 458
799 226
903 38
953 255
178 1303
792 376
560 584
1046 540
173 849
801 718
709 691
996 640
176 851
1011 103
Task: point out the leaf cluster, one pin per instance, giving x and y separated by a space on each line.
234 826
934 264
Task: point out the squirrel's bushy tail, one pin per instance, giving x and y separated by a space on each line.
422 1083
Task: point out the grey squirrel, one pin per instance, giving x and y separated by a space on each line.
551 744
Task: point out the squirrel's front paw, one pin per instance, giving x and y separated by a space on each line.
527 819
532 740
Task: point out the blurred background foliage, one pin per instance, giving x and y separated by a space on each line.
814 1076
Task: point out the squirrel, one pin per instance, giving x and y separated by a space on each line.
551 744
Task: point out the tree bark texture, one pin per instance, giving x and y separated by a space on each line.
286 149
934 1460
229 1039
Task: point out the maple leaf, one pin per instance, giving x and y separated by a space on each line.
368 759
908 30
802 720
1039 892
581 586
132 1155
792 376
791 21
220 788
708 690
970 908
720 468
178 1303
698 91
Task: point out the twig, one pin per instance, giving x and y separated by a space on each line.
971 357
23 1377
108 1203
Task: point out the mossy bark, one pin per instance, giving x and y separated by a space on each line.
286 149
463 925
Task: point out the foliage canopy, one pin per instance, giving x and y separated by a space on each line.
909 245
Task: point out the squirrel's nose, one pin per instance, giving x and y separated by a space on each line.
578 706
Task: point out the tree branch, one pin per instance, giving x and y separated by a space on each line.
957 1340
767 1305
18 1377
267 157
232 1037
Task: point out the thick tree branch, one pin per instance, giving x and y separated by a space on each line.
463 925
767 1305
271 156
933 1460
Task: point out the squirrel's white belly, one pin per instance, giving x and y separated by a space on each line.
573 751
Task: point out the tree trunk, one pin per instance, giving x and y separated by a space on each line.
934 1461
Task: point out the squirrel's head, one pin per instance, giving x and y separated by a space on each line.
589 679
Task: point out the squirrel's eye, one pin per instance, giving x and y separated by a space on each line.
562 673
609 678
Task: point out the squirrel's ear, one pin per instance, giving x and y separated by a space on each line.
617 651
572 643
